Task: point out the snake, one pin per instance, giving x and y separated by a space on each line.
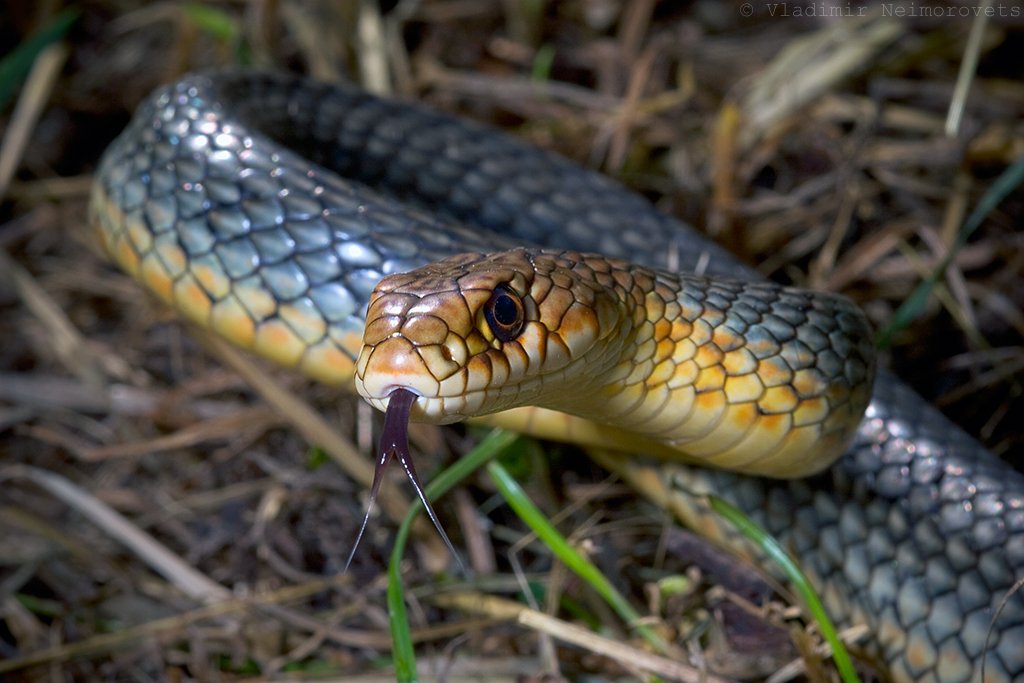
298 219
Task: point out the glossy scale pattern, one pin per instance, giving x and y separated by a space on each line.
917 531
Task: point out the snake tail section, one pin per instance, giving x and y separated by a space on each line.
219 198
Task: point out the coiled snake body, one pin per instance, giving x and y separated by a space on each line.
916 531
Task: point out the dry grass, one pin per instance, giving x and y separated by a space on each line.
160 521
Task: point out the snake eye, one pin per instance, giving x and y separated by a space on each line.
504 314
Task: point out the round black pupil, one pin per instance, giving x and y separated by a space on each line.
505 310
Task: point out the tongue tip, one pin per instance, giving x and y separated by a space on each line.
394 443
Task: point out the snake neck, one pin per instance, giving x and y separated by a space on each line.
756 377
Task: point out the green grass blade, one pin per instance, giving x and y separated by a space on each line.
540 70
403 654
911 307
563 550
15 65
808 595
221 25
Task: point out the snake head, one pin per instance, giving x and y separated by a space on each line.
479 333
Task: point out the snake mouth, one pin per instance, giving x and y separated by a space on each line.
383 372
395 391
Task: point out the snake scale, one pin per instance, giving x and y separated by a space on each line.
219 199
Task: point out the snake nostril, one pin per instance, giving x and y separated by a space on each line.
446 353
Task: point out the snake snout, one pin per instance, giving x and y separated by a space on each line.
393 363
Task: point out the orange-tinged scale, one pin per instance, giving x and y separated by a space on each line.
108 236
774 372
685 375
685 351
890 630
681 330
920 653
776 424
722 435
327 363
726 340
810 411
682 404
212 281
644 350
500 369
154 275
518 360
436 361
556 355
349 342
628 396
744 388
259 302
661 374
639 373
709 355
664 350
425 329
580 320
778 400
456 348
763 436
555 305
742 417
711 401
652 407
761 347
479 372
662 329
276 341
306 323
702 429
739 362
191 299
701 332
476 343
807 383
126 257
710 379
140 236
655 306
794 457
533 342
380 328
394 362
174 259
229 319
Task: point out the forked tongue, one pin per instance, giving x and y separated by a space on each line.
394 443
